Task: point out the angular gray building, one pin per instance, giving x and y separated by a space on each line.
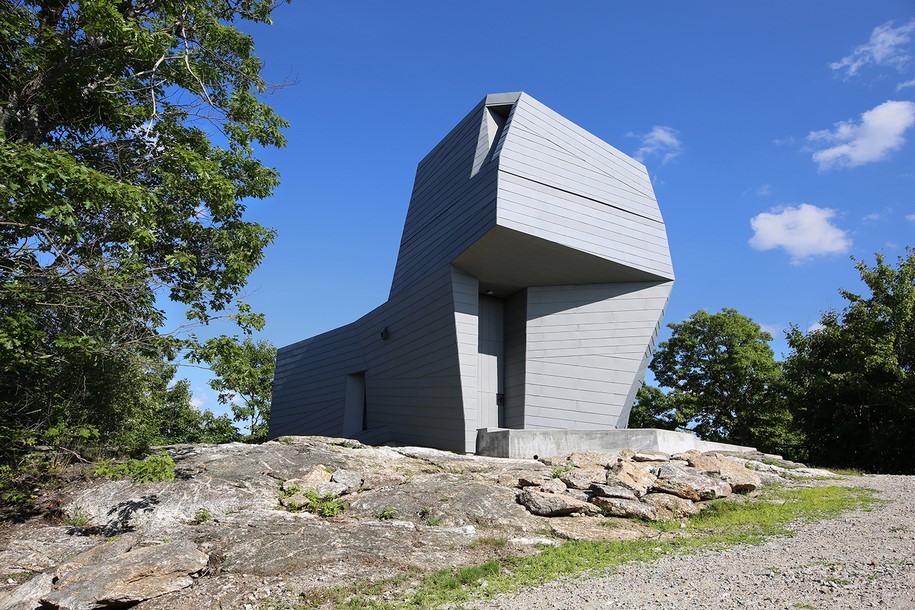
528 292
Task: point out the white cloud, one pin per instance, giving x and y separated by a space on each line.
881 215
660 142
814 327
910 217
803 231
886 47
776 330
197 403
880 131
908 83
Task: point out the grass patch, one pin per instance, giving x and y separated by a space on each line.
723 523
847 472
78 518
492 542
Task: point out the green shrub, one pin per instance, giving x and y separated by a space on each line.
157 467
558 471
202 515
326 505
386 513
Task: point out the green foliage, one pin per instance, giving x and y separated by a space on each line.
244 370
723 382
323 505
128 133
558 471
851 383
202 515
387 513
151 469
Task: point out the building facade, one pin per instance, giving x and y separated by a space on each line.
532 276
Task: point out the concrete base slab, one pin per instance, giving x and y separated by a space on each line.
511 443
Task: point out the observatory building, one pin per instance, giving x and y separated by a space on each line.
528 292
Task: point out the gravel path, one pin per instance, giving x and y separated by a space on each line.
860 560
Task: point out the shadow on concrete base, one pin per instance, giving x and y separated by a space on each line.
511 443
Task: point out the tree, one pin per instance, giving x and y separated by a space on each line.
244 370
851 382
722 380
127 155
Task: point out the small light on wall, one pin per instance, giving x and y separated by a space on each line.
384 333
490 292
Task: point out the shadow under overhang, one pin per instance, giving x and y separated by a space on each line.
505 261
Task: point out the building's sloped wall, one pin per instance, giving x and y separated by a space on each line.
466 323
639 379
585 347
560 183
412 378
451 207
309 387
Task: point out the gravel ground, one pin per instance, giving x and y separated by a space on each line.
864 559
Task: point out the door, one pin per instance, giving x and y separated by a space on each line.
490 363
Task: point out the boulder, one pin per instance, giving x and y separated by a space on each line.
554 486
532 481
127 579
350 478
27 596
651 456
318 474
554 505
608 491
448 497
631 476
597 528
619 507
737 475
667 506
599 460
689 483
581 478
579 494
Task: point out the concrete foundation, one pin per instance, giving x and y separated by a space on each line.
511 443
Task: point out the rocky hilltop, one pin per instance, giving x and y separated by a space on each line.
249 526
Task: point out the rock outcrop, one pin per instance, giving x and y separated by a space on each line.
244 522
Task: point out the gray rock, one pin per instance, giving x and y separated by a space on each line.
553 505
531 481
451 498
27 596
129 578
667 506
579 494
651 456
581 478
350 478
619 507
689 483
608 491
555 486
736 474
584 459
631 476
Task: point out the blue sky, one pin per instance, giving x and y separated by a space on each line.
780 138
